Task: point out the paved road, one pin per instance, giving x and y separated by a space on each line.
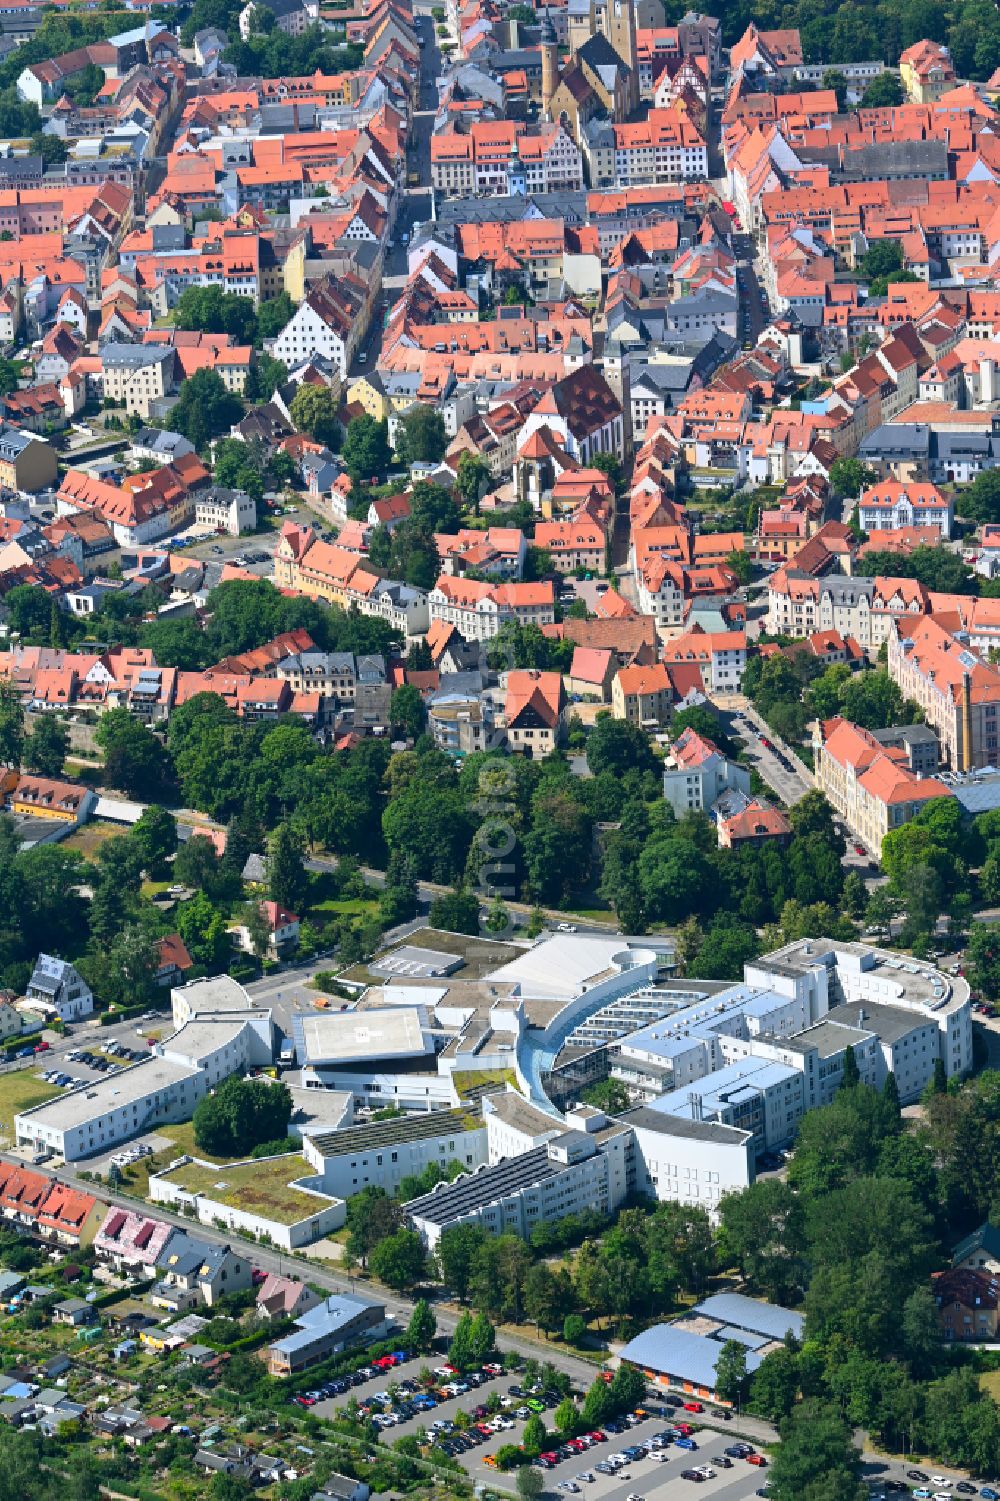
416 202
753 304
268 1260
790 786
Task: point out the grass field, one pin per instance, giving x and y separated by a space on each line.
19 1090
88 840
182 1135
601 912
262 1187
82 771
348 906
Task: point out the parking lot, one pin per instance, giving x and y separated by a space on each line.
652 1476
641 1476
87 1059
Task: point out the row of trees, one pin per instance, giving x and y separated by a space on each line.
634 1270
788 690
622 1272
602 1401
274 54
854 1234
835 32
661 869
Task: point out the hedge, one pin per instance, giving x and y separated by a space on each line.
119 1294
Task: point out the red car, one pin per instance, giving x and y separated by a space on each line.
693 1407
576 1445
485 1430
756 1459
598 1436
684 1429
384 1362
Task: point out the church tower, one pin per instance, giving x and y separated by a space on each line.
581 23
621 35
618 374
550 65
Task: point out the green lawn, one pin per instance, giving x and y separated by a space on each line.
182 1135
20 1090
349 906
262 1187
82 771
603 912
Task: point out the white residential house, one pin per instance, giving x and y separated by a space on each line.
331 322
57 986
700 774
891 505
231 511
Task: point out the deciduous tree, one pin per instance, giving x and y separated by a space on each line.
314 411
46 746
399 1260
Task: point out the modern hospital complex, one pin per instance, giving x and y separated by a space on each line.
488 1072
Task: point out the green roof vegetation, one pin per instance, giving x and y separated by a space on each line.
262 1186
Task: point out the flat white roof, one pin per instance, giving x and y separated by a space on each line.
217 993
559 967
352 1036
409 995
197 1039
77 1106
